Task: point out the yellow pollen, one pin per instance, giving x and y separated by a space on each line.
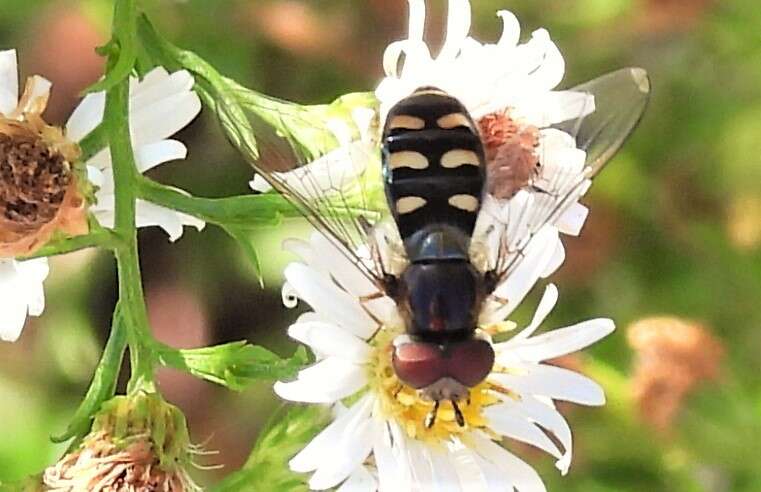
409 409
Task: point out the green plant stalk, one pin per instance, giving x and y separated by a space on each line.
101 238
244 210
131 296
103 384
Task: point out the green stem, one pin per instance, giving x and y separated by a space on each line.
103 383
244 210
101 238
131 297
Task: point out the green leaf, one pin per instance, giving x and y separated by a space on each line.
242 236
266 469
234 365
104 381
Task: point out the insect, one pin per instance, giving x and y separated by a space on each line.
436 182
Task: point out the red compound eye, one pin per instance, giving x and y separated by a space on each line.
469 362
419 364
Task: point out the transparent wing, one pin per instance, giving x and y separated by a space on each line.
335 190
620 99
570 155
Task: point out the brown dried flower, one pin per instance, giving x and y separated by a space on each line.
673 357
39 193
510 149
138 443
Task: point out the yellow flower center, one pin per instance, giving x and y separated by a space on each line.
409 409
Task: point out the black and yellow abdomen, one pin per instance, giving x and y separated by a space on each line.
433 165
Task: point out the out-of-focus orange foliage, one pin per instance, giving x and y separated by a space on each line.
673 356
64 52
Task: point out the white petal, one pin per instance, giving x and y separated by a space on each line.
393 474
523 477
550 419
327 381
39 88
545 307
417 19
551 66
508 421
86 116
95 176
540 251
149 214
470 470
553 382
327 258
568 105
420 466
561 341
101 160
444 474
573 219
556 260
163 118
158 85
330 340
21 293
359 481
13 312
458 26
349 451
323 447
290 296
511 29
8 81
259 184
34 272
151 155
330 301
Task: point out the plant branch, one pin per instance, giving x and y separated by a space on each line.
243 210
101 238
131 296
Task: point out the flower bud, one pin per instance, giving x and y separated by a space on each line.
137 442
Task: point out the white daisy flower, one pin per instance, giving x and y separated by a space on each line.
160 105
379 439
486 78
32 211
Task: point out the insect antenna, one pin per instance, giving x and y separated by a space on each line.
458 414
430 419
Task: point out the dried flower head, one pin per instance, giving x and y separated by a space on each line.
137 443
510 153
673 357
39 193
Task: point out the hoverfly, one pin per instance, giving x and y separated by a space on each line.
436 182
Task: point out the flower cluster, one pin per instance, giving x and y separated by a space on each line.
384 435
46 192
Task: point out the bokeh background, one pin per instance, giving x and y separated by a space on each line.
675 230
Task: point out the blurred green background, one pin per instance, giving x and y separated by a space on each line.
675 228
